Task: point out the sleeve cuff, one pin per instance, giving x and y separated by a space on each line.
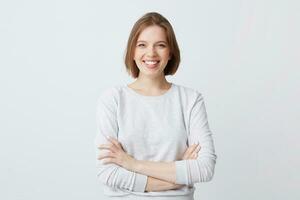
140 183
181 172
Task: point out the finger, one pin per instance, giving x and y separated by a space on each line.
108 154
194 146
104 146
194 156
189 151
197 149
194 152
108 146
114 141
108 160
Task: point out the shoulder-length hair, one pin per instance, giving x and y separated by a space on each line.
150 19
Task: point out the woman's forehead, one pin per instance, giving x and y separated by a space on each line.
153 33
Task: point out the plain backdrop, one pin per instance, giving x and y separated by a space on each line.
57 56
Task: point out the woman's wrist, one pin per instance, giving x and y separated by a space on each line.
156 185
130 163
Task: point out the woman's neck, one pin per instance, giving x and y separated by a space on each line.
151 85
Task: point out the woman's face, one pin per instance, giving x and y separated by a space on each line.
152 51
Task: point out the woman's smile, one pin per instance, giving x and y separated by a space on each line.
151 64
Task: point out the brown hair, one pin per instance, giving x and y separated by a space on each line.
149 19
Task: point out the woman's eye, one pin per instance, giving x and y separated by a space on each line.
141 45
162 45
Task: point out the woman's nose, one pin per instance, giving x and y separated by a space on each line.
151 51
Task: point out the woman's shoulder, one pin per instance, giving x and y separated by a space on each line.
190 96
188 91
110 93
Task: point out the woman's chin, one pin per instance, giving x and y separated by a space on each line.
151 73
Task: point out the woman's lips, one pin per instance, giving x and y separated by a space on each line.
151 63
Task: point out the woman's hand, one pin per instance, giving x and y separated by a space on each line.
113 152
191 152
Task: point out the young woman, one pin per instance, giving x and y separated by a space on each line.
150 132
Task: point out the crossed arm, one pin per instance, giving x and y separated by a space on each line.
118 169
161 175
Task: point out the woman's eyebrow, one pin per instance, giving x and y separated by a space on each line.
155 42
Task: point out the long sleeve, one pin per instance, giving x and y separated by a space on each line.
110 174
201 169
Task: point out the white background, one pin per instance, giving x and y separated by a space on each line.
57 56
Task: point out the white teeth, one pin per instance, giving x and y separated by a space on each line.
150 62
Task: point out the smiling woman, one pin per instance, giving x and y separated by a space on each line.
152 34
152 52
153 138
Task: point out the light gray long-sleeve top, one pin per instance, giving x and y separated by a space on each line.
154 128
